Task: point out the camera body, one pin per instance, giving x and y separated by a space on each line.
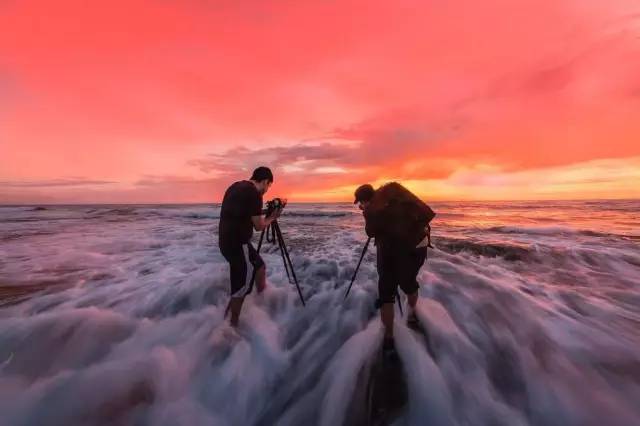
275 204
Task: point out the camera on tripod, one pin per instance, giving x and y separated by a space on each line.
273 205
273 235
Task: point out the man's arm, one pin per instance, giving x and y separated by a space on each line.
370 224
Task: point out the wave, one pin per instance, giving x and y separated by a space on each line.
509 252
125 213
561 231
315 214
447 215
24 234
120 211
548 230
198 216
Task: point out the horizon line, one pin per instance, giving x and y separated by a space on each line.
313 202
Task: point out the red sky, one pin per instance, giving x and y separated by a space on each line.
171 101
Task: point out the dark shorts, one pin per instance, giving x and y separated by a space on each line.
398 268
244 261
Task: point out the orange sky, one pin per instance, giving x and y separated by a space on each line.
171 101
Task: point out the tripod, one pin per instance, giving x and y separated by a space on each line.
353 278
274 235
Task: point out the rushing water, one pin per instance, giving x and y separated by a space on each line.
114 315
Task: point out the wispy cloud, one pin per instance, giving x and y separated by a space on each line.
304 157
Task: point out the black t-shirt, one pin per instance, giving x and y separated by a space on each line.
241 201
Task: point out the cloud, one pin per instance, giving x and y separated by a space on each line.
321 157
405 141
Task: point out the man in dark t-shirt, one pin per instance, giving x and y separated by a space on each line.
240 214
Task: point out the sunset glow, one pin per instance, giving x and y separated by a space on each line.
166 101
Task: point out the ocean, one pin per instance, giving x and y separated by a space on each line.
114 315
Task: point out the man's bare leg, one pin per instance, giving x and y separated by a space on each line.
386 313
412 319
413 301
235 307
261 279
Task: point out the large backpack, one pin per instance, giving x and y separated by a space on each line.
403 219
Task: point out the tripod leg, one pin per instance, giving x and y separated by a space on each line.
399 302
353 278
288 265
260 241
226 310
283 246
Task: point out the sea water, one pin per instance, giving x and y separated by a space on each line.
115 315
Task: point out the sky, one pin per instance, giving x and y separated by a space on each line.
171 101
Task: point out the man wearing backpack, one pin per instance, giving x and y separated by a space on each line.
399 222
